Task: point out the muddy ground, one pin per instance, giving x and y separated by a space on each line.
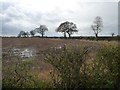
40 67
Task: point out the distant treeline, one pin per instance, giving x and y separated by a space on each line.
109 38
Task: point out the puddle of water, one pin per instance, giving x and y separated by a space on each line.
23 53
26 53
59 47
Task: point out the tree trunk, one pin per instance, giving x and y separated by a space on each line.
69 35
96 36
65 34
42 34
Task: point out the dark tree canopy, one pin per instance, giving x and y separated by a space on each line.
42 30
112 34
67 27
32 32
97 25
22 34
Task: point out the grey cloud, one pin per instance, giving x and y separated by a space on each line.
119 18
6 5
16 19
10 30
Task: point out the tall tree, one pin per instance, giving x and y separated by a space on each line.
22 34
67 27
112 34
42 30
27 34
32 32
97 26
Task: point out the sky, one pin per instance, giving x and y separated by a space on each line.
26 15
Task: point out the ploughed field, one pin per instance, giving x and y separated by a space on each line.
34 47
32 50
41 44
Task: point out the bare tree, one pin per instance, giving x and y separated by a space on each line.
42 29
67 27
97 25
112 34
22 34
32 32
27 34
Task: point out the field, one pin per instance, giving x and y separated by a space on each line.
59 63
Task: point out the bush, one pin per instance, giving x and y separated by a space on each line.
20 76
66 64
110 58
71 69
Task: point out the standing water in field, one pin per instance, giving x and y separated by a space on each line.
26 53
22 52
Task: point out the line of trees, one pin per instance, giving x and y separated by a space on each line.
65 28
41 30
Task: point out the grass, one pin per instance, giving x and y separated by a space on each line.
70 69
88 64
20 76
66 64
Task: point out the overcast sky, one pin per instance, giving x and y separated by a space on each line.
27 15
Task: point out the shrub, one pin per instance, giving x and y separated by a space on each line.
110 58
66 64
71 69
104 72
20 76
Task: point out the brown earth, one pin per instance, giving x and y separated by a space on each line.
41 43
40 68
